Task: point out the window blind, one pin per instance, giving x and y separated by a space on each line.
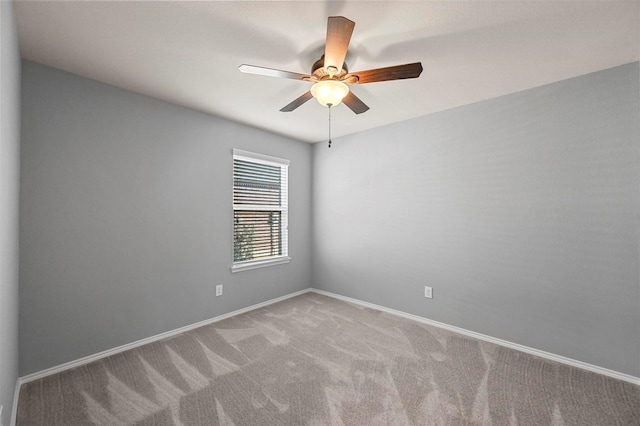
260 204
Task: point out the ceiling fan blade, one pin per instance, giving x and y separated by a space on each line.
339 30
270 72
397 72
297 102
355 104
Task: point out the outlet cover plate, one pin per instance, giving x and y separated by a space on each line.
428 292
219 290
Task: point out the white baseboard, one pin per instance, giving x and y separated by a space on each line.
547 355
91 358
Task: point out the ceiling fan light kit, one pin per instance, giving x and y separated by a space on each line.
329 92
330 74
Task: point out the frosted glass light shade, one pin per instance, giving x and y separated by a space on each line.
329 92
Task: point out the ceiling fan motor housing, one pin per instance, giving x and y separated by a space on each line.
321 73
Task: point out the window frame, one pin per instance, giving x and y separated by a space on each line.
245 265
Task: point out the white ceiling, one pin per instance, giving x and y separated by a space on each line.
188 53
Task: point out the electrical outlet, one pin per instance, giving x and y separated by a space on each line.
428 292
219 290
0 415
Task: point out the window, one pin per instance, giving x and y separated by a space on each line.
260 215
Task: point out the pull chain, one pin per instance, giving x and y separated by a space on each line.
329 106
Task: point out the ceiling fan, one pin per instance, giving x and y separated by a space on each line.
330 74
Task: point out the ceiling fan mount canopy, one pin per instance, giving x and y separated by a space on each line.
330 73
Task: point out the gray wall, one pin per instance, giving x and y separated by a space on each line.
126 218
521 212
9 182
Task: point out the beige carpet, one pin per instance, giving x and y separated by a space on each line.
314 360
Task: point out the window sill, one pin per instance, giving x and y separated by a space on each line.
245 266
